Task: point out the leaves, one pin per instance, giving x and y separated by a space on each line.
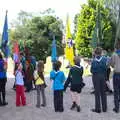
86 23
37 32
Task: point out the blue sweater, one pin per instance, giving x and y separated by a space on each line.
2 70
58 80
99 65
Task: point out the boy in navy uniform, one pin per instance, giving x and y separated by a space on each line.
98 70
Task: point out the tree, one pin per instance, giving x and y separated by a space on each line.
114 7
37 32
86 25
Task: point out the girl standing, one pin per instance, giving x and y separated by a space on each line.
40 84
20 94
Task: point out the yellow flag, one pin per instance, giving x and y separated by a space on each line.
69 43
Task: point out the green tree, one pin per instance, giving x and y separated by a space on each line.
86 24
114 7
37 32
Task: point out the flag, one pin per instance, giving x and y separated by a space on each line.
54 50
16 53
69 43
4 44
94 38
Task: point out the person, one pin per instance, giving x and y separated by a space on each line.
3 80
98 70
58 78
29 77
33 63
19 82
108 87
40 84
76 81
115 63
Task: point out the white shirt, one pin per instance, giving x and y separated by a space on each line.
19 78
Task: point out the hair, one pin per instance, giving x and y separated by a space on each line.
16 66
77 60
40 67
1 57
57 65
98 51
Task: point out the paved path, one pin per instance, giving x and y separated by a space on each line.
30 112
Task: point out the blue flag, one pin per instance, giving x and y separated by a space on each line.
54 51
4 45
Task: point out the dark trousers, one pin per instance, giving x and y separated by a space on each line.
2 90
58 100
116 86
29 85
100 95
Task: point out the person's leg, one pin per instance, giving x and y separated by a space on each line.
96 80
60 101
23 98
38 96
43 96
56 100
17 95
103 93
4 91
14 86
78 101
93 90
73 96
0 93
116 93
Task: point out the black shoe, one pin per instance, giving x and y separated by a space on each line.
78 108
43 105
115 110
73 105
5 103
1 104
97 111
61 110
56 110
104 110
93 92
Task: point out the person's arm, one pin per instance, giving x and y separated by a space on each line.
112 61
67 82
91 69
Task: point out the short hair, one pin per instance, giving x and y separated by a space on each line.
57 65
77 60
98 51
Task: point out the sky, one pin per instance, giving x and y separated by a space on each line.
61 7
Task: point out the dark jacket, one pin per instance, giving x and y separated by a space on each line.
75 76
99 65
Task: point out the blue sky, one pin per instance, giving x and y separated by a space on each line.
61 7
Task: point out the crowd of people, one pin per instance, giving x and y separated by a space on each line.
28 74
